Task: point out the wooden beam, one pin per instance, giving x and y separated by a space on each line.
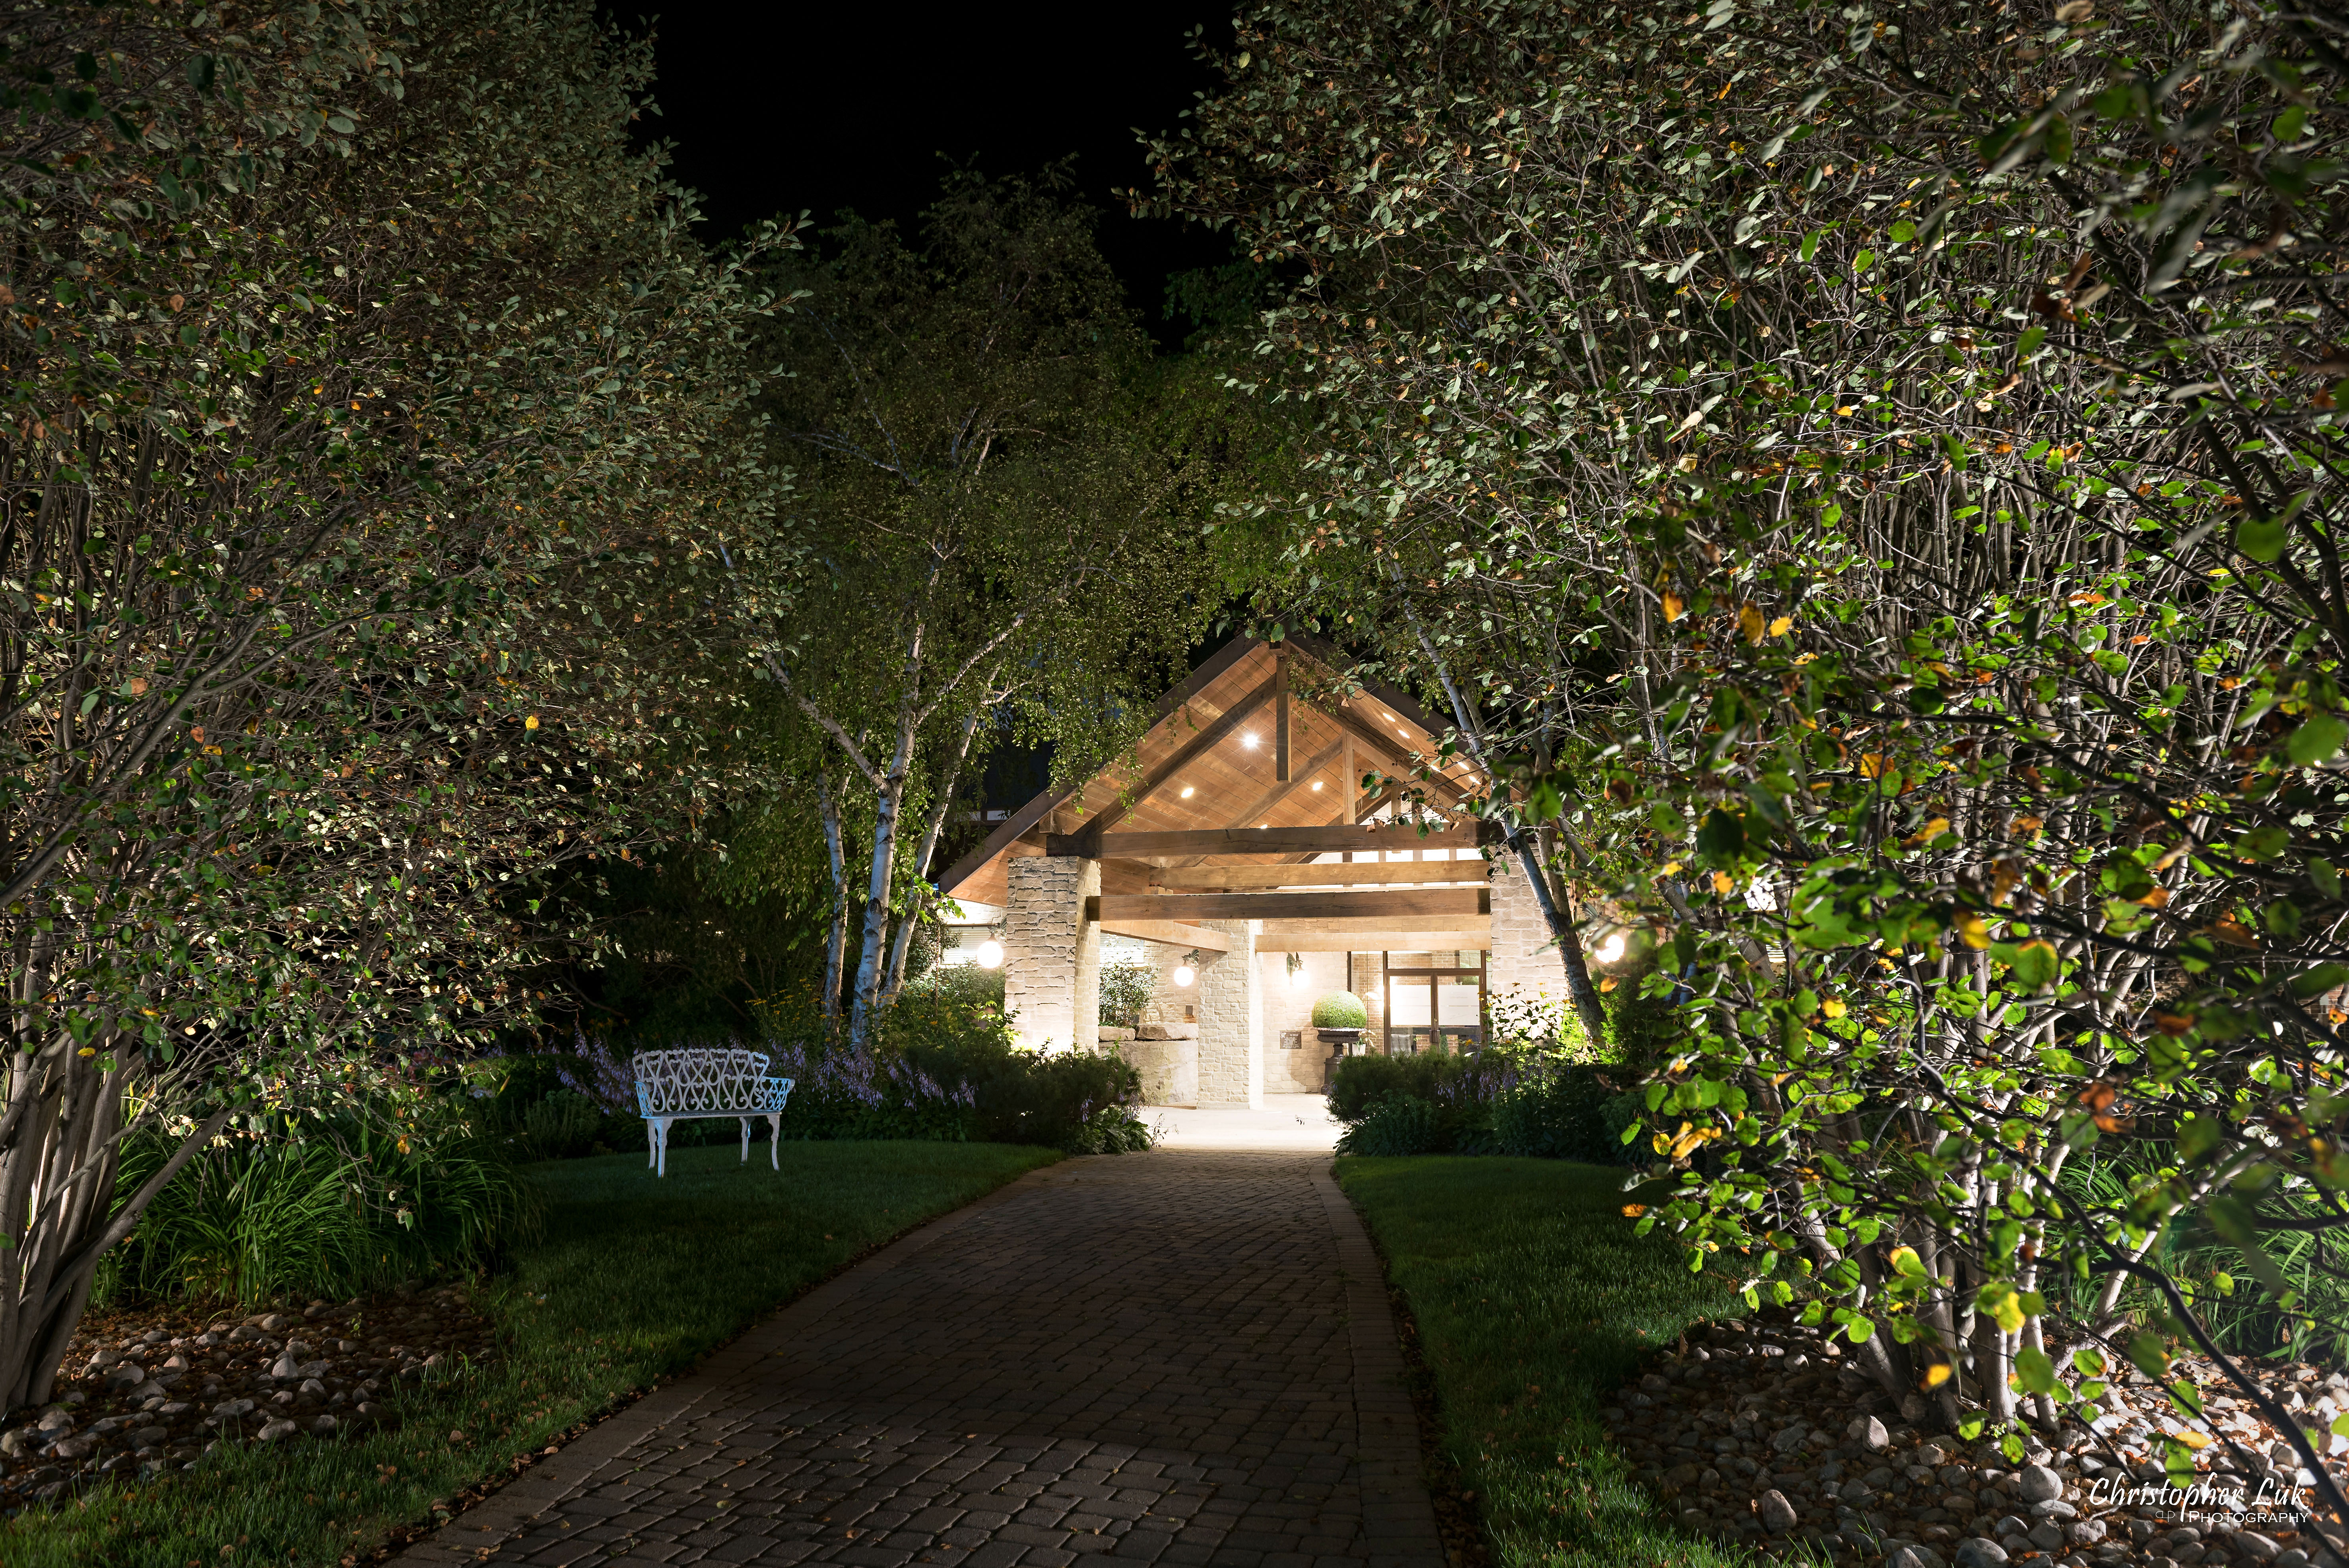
1394 904
1393 749
1280 718
1264 841
1340 925
1172 933
1379 942
1190 751
1029 815
1357 874
1347 798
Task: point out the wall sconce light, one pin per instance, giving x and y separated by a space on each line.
991 954
1188 970
1611 949
1296 970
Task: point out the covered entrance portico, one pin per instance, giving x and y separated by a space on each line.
1242 864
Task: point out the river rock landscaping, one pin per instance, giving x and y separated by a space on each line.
154 1388
1761 1432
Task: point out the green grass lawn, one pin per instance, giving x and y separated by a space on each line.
1533 1298
630 1280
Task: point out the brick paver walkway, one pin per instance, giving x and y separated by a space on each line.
1180 1357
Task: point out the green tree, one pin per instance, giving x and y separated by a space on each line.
997 545
1871 478
372 424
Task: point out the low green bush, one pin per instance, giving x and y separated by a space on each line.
1399 1124
1340 1010
321 1207
943 1068
1502 1100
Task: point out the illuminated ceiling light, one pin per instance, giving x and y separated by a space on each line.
1390 718
1317 783
1189 790
1248 740
991 954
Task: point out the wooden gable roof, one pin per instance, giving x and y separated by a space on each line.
1210 760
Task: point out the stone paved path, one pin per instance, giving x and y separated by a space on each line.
1183 1358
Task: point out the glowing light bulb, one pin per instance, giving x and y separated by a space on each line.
1612 948
1297 979
991 954
1185 974
1248 740
1189 790
1317 783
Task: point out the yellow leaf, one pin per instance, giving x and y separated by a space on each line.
1972 931
530 723
2193 1440
1834 1007
1871 765
1749 621
1723 883
1633 1211
1904 1259
2009 1313
1937 1374
1781 625
1608 983
1674 607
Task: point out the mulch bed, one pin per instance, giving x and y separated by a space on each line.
149 1388
1761 1432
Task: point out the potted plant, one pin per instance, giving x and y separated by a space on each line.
1340 1019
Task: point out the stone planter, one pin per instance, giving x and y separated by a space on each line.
1167 1058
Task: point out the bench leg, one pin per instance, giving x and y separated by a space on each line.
659 1128
746 1139
775 1141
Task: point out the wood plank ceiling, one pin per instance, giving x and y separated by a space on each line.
1213 762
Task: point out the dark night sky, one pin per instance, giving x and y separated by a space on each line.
776 109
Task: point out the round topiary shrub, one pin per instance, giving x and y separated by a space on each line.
1340 1010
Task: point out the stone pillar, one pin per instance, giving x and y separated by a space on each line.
1231 1020
1052 953
1524 957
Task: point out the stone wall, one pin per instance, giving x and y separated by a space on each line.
1052 953
1523 958
1288 1008
1167 1058
1231 1020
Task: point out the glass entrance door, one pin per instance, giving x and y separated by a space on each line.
1433 998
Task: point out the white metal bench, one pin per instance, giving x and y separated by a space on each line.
681 1085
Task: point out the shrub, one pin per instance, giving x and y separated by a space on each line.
1401 1124
1340 1010
1357 1084
563 1125
1502 1100
1125 991
312 1207
958 985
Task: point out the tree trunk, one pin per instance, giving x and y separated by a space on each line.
836 942
889 803
1560 917
60 1148
932 832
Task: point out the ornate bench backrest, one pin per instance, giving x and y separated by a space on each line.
700 1081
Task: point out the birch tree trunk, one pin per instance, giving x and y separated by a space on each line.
925 851
835 945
